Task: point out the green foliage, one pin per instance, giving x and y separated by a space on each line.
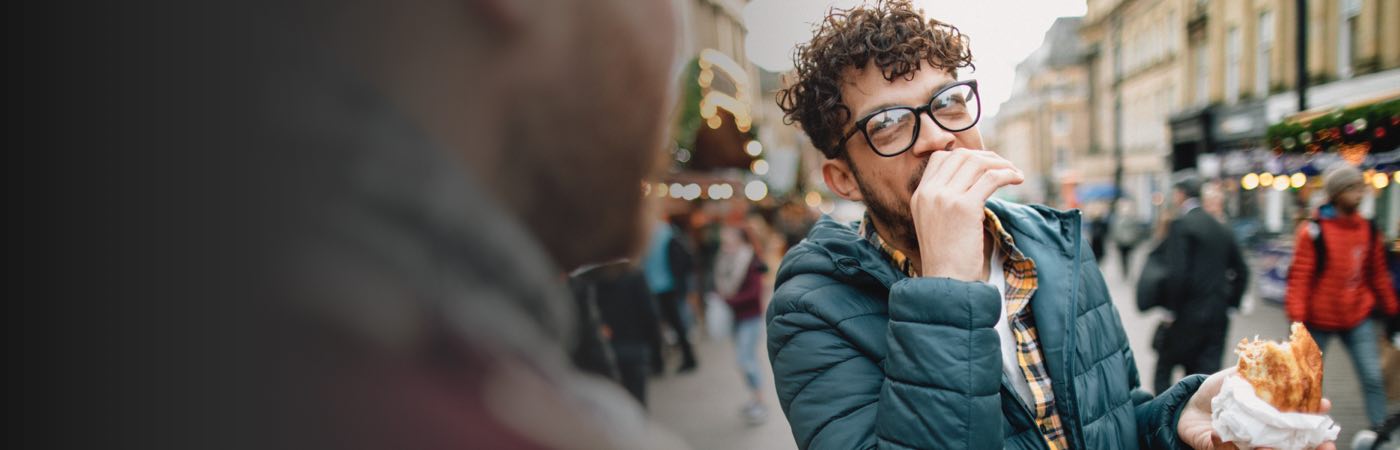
1343 126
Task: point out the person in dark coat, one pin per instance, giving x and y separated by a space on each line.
627 320
592 353
667 267
1206 276
1098 235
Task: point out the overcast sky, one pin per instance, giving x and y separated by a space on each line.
1002 32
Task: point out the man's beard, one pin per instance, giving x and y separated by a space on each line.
890 211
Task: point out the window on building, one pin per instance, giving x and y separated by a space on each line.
1173 32
1264 55
1202 74
1118 59
1232 65
1154 41
1346 37
1061 123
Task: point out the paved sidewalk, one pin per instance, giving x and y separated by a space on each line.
703 406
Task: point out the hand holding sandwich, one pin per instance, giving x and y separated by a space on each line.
1288 377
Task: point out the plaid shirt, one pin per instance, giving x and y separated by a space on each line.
1021 283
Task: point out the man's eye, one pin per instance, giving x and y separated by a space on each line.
951 100
882 122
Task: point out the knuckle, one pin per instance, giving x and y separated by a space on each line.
944 199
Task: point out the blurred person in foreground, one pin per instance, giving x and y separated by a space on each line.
1205 278
340 224
1339 276
944 319
474 152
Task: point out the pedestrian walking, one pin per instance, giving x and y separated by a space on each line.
1203 277
1339 276
668 266
739 280
1127 231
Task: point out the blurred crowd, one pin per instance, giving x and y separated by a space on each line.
705 272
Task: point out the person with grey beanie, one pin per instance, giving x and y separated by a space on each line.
1338 277
1340 178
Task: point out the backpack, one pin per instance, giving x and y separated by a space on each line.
1320 244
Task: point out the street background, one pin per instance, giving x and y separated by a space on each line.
1099 103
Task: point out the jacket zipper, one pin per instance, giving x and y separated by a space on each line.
1030 416
1072 432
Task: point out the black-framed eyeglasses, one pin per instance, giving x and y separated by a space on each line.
892 131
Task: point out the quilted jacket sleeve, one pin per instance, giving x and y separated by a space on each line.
1301 272
938 388
1157 416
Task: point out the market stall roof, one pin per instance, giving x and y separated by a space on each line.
1316 112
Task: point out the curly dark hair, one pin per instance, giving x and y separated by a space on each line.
890 32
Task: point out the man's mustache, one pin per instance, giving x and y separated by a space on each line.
918 176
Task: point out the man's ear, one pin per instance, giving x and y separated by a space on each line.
840 177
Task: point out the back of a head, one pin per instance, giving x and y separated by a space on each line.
557 110
1188 182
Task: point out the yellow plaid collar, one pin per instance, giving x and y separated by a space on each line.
1003 240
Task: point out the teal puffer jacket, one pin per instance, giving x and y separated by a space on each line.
865 357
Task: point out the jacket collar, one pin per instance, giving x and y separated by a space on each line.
838 250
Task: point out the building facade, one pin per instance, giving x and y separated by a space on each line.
1136 53
1044 127
1180 84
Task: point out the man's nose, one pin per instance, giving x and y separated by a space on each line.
931 137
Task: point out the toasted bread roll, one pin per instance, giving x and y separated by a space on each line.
1288 375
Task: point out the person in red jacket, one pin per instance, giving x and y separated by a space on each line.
1338 277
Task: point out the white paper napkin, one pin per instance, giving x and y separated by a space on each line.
1241 417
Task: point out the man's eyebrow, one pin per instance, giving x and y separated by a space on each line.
884 105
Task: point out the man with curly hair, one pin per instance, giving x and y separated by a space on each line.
944 319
